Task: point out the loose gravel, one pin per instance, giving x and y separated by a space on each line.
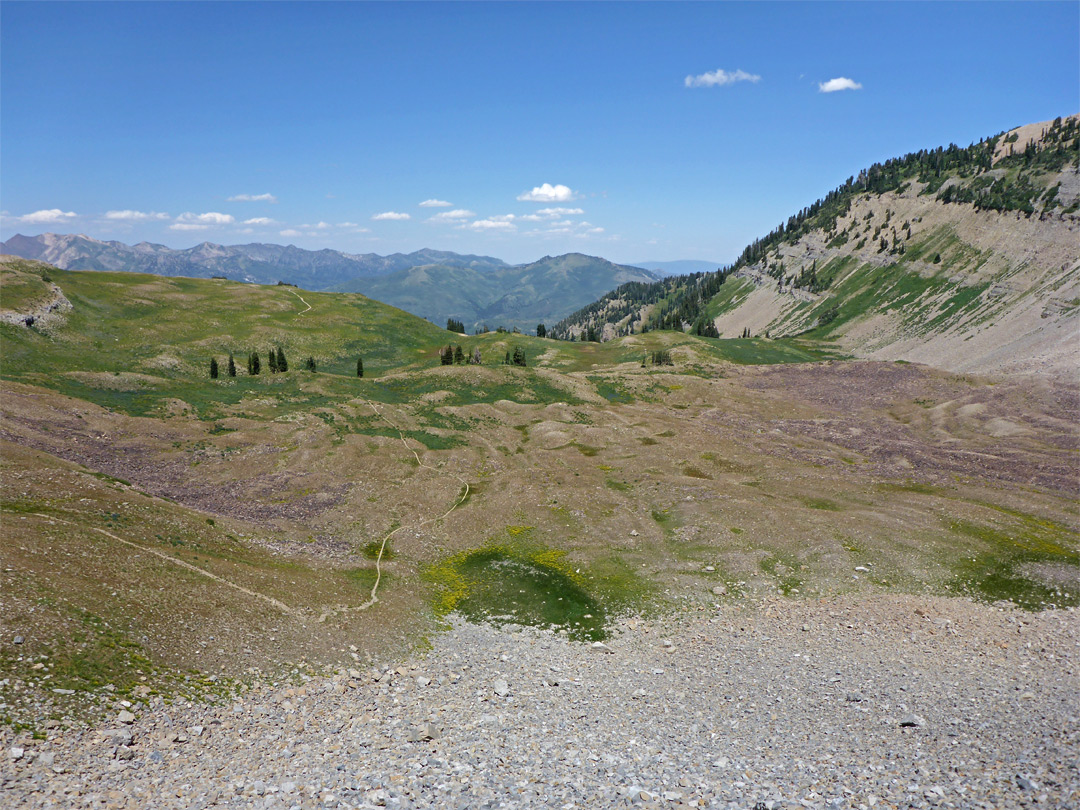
854 702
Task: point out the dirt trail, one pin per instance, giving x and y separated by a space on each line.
382 547
169 558
301 312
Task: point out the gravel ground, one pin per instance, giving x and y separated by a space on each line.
857 702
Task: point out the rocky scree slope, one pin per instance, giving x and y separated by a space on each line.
966 259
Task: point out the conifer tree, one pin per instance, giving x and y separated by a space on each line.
506 360
459 356
310 364
272 362
213 368
519 356
232 366
254 366
282 363
359 367
541 330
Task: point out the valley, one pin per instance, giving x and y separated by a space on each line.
877 479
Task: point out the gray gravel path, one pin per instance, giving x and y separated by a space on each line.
860 702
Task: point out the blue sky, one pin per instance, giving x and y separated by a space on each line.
634 131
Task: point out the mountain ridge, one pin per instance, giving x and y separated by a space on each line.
964 258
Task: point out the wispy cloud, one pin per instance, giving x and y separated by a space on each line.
200 222
270 198
502 223
290 232
391 215
47 216
435 204
839 83
456 215
135 216
720 78
260 221
549 194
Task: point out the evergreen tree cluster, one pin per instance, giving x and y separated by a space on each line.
456 356
455 326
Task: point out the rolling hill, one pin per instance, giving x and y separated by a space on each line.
963 258
521 296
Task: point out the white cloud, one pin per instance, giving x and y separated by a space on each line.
492 224
260 221
452 216
719 78
559 212
290 232
200 222
392 215
319 226
840 83
548 193
270 198
135 216
47 216
435 204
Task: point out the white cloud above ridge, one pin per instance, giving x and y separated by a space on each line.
260 221
200 222
128 215
290 232
46 216
270 198
549 194
436 204
391 216
720 78
839 83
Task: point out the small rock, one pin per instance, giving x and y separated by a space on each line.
599 646
633 533
46 759
912 721
719 590
18 640
423 732
423 681
126 717
16 753
1025 783
125 752
501 688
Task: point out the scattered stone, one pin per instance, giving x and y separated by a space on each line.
501 688
16 753
912 721
17 640
125 717
1026 783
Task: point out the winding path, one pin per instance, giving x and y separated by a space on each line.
298 295
382 547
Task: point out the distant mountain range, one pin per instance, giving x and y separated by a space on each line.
433 284
544 291
256 263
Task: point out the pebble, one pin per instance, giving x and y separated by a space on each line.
791 704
